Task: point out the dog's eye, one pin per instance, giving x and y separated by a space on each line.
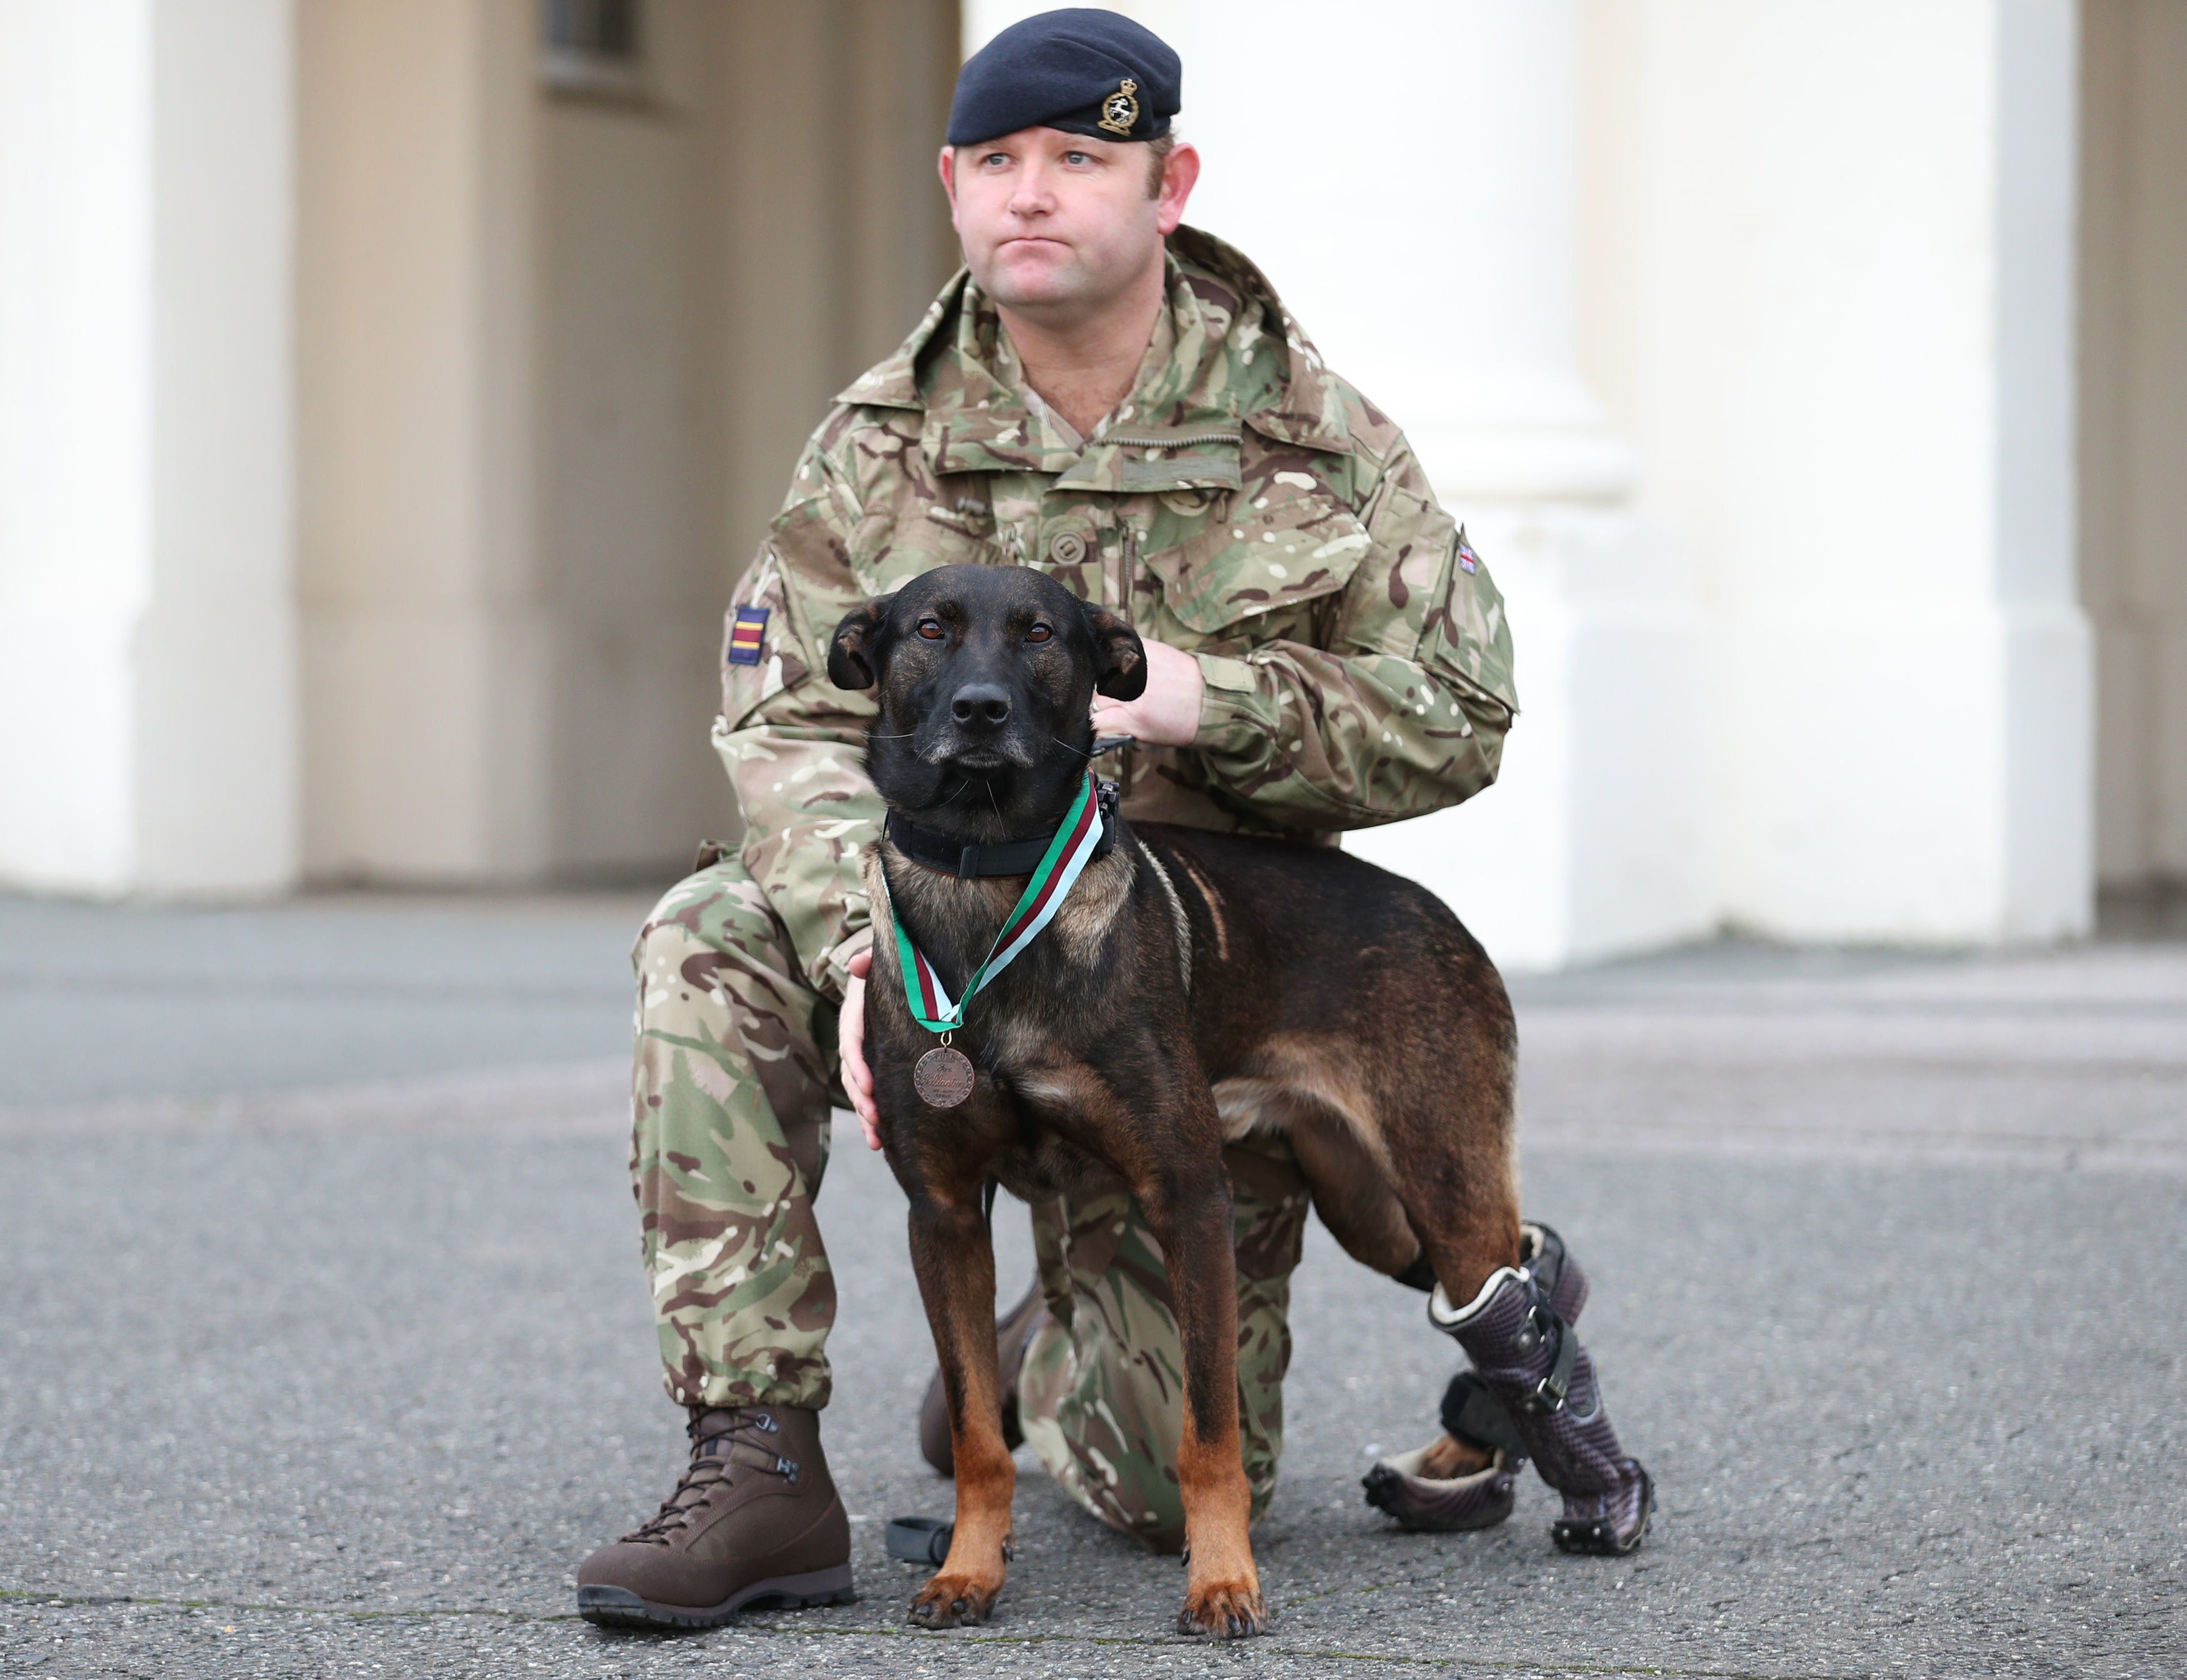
931 628
1039 632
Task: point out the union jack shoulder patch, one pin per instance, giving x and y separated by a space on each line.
1467 560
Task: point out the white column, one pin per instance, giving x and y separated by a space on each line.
1848 295
1406 174
147 626
428 641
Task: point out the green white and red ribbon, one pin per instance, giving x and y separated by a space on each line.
1067 855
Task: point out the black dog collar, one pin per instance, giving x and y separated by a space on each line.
1004 857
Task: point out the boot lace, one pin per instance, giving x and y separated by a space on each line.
734 1436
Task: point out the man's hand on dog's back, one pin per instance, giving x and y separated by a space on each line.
1168 715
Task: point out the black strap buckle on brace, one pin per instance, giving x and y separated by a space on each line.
1542 1323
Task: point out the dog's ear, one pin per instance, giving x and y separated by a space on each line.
1120 658
851 653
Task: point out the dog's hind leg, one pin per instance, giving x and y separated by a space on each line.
954 1259
1441 1112
1352 1193
1465 1203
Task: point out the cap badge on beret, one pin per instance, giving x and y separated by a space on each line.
1120 111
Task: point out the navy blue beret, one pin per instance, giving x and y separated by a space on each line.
1080 69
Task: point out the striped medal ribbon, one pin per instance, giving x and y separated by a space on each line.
1067 855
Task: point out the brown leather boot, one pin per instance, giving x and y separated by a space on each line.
1012 1332
755 1517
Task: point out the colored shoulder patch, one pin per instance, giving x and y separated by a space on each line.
747 635
1467 560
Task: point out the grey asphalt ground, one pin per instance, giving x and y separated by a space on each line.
323 1349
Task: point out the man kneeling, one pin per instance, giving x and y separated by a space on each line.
1124 403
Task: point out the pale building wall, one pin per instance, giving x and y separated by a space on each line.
425 643
1831 305
835 235
2133 429
217 742
1448 295
147 735
561 352
633 325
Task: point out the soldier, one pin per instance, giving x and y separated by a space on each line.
1125 403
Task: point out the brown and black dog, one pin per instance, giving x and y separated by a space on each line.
1194 986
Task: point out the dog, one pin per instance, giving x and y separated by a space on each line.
1194 986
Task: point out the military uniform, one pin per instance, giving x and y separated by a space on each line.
1243 505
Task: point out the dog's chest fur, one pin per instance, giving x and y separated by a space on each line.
1030 1028
954 922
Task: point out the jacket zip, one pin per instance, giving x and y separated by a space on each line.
1131 570
1126 442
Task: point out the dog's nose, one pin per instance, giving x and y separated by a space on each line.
987 703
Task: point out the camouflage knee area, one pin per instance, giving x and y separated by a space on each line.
1101 1394
729 1140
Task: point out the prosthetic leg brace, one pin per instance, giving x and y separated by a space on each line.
1530 1358
1406 1484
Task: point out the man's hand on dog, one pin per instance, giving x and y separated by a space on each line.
1168 715
851 1039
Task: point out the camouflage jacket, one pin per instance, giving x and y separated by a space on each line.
1243 503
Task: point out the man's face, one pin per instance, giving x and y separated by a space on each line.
1057 226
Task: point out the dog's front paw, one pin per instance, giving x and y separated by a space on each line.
955 1600
1223 1610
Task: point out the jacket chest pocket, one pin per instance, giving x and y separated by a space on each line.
1259 574
888 549
891 547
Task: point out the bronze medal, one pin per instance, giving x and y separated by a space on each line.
943 1078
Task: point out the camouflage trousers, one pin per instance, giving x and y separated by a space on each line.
1101 1393
734 1068
729 1100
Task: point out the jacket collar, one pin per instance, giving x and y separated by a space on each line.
1228 355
